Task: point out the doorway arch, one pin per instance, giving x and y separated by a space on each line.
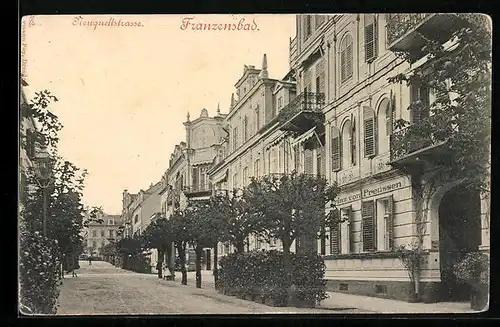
459 223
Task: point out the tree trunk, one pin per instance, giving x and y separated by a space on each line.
199 252
159 266
287 265
240 246
170 263
215 269
182 261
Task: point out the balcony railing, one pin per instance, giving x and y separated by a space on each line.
410 32
400 24
197 189
303 111
413 138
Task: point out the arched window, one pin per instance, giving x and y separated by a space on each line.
384 115
346 145
346 59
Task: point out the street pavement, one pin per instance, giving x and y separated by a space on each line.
102 289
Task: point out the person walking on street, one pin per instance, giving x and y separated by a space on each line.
90 261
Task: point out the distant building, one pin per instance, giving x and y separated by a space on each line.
97 235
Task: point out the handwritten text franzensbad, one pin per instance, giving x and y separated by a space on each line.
189 23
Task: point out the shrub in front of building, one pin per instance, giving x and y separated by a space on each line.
139 263
39 274
260 276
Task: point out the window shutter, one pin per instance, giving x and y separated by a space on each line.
296 155
369 228
308 161
195 178
350 217
371 38
335 148
389 118
335 238
349 60
353 141
370 131
390 224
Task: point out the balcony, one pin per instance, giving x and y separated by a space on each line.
408 32
303 113
198 190
417 147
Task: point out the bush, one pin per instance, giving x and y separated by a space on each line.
139 263
39 273
262 273
474 270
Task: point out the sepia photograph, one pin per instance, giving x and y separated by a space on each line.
254 164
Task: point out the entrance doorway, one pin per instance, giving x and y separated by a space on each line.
459 234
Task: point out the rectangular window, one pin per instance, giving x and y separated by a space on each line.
256 168
235 181
245 128
321 162
280 103
235 138
371 38
335 144
195 178
94 233
347 215
296 157
110 233
308 161
335 238
245 175
420 95
389 223
369 226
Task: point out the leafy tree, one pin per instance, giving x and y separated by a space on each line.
158 236
64 209
180 236
204 228
291 206
460 115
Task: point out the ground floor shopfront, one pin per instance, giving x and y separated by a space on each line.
380 217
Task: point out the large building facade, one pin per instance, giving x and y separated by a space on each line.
333 115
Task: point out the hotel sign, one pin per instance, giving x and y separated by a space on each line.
370 191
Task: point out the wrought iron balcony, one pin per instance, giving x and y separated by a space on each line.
411 144
303 112
200 189
408 32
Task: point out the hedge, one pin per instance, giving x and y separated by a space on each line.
261 273
39 273
138 263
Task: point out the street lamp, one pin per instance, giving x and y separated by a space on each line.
44 178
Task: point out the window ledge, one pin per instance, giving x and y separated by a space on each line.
366 255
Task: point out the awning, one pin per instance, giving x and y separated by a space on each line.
306 136
276 141
206 162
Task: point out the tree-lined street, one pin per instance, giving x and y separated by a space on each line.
104 289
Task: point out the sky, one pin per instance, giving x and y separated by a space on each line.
124 91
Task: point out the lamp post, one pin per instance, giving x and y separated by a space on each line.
44 180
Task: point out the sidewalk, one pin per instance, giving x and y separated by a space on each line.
379 305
